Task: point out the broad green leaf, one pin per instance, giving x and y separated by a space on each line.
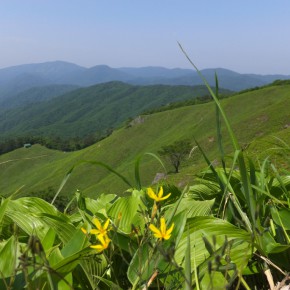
124 242
61 226
103 201
270 246
25 213
48 240
204 189
26 222
214 280
209 227
3 206
66 265
195 207
92 267
109 283
8 257
55 256
35 204
77 242
66 283
127 207
281 217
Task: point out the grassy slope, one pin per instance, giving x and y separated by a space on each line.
254 115
90 110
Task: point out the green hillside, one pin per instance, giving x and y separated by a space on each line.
256 117
34 95
91 110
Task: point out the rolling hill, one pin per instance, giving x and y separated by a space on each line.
256 116
35 95
91 110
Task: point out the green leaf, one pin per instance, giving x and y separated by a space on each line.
61 226
104 201
270 246
143 265
128 208
8 257
3 206
281 217
109 283
209 227
187 266
77 242
194 207
48 240
66 283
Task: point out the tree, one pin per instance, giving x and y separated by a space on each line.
176 152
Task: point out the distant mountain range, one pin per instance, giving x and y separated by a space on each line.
16 79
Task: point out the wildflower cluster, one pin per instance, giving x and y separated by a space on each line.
162 232
101 233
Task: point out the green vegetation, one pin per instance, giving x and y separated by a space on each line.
176 152
34 95
229 229
38 168
93 110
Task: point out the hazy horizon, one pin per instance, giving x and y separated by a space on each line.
139 67
245 37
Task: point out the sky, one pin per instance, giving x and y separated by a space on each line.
249 36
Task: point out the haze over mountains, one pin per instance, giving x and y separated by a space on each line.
16 79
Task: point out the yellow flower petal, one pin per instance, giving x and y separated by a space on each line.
105 241
168 233
165 197
94 232
162 233
153 228
97 247
162 226
97 223
151 193
106 224
100 229
84 231
160 193
157 197
156 231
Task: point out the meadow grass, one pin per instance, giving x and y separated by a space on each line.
255 115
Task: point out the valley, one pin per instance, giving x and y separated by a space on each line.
37 168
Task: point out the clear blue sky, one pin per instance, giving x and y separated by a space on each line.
249 36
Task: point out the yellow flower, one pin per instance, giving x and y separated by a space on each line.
105 241
84 231
162 233
159 196
100 230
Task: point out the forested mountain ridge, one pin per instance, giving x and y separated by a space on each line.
91 110
15 79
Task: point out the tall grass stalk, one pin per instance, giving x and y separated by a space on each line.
241 160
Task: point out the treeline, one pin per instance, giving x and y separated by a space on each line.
190 102
274 83
52 142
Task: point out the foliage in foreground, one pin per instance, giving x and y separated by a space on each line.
202 238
